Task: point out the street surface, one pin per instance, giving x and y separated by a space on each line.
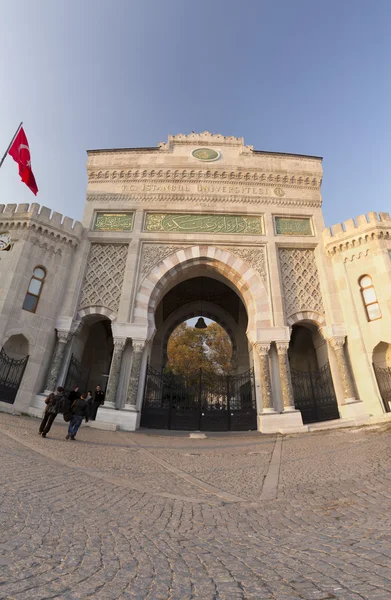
116 515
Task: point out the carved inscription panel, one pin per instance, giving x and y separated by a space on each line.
204 223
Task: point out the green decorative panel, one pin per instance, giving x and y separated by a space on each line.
113 222
293 226
195 223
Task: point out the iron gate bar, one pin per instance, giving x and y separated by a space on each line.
77 375
314 394
383 377
11 374
208 402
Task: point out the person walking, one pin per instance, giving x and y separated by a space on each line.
80 411
89 400
98 401
53 403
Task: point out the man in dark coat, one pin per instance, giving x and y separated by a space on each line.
53 403
99 399
80 411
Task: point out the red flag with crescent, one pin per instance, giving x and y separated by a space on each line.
20 152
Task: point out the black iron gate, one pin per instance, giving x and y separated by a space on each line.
77 376
383 376
207 402
314 394
11 373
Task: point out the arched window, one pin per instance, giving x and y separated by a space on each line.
35 289
369 298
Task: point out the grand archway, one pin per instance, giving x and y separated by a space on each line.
200 400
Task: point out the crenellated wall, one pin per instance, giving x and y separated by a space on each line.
39 238
355 248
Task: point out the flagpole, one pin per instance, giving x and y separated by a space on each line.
10 144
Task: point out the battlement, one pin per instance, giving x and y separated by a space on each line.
355 232
42 217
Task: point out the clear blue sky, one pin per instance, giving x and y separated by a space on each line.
299 76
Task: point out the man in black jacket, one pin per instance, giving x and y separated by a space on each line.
80 411
53 403
98 401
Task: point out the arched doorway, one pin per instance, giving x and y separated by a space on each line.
91 355
14 356
200 399
381 360
312 383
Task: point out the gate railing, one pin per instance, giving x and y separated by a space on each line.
383 377
77 375
11 373
314 394
205 391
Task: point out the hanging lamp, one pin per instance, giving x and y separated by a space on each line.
201 323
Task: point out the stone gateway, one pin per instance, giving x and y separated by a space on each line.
202 225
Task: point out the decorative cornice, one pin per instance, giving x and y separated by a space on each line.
202 199
166 176
22 229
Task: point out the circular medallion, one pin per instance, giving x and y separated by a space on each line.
5 240
279 192
206 154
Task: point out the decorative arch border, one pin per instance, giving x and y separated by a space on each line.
19 331
307 315
243 277
96 310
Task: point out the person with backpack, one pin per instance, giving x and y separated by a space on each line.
53 403
80 411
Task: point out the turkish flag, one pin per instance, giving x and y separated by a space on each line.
20 152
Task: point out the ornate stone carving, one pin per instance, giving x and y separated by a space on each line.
300 280
254 256
293 226
138 350
338 344
207 200
285 376
266 387
105 274
152 254
196 223
63 337
112 384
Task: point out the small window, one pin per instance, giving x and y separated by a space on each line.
34 290
369 298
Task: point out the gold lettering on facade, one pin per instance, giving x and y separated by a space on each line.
195 188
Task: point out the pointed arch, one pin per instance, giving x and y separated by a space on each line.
240 276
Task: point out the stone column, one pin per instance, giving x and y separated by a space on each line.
115 367
63 337
266 386
138 351
338 344
285 376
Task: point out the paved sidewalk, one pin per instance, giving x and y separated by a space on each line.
122 516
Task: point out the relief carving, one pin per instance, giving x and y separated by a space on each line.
105 274
155 253
252 256
300 280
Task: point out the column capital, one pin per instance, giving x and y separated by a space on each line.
262 348
282 347
119 343
337 341
138 344
64 336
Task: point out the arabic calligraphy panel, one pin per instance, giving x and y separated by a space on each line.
293 226
204 223
113 222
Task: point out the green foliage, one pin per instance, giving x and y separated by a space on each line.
190 349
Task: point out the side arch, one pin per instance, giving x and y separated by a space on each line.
96 310
307 315
241 277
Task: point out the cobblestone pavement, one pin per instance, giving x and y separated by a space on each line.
145 516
